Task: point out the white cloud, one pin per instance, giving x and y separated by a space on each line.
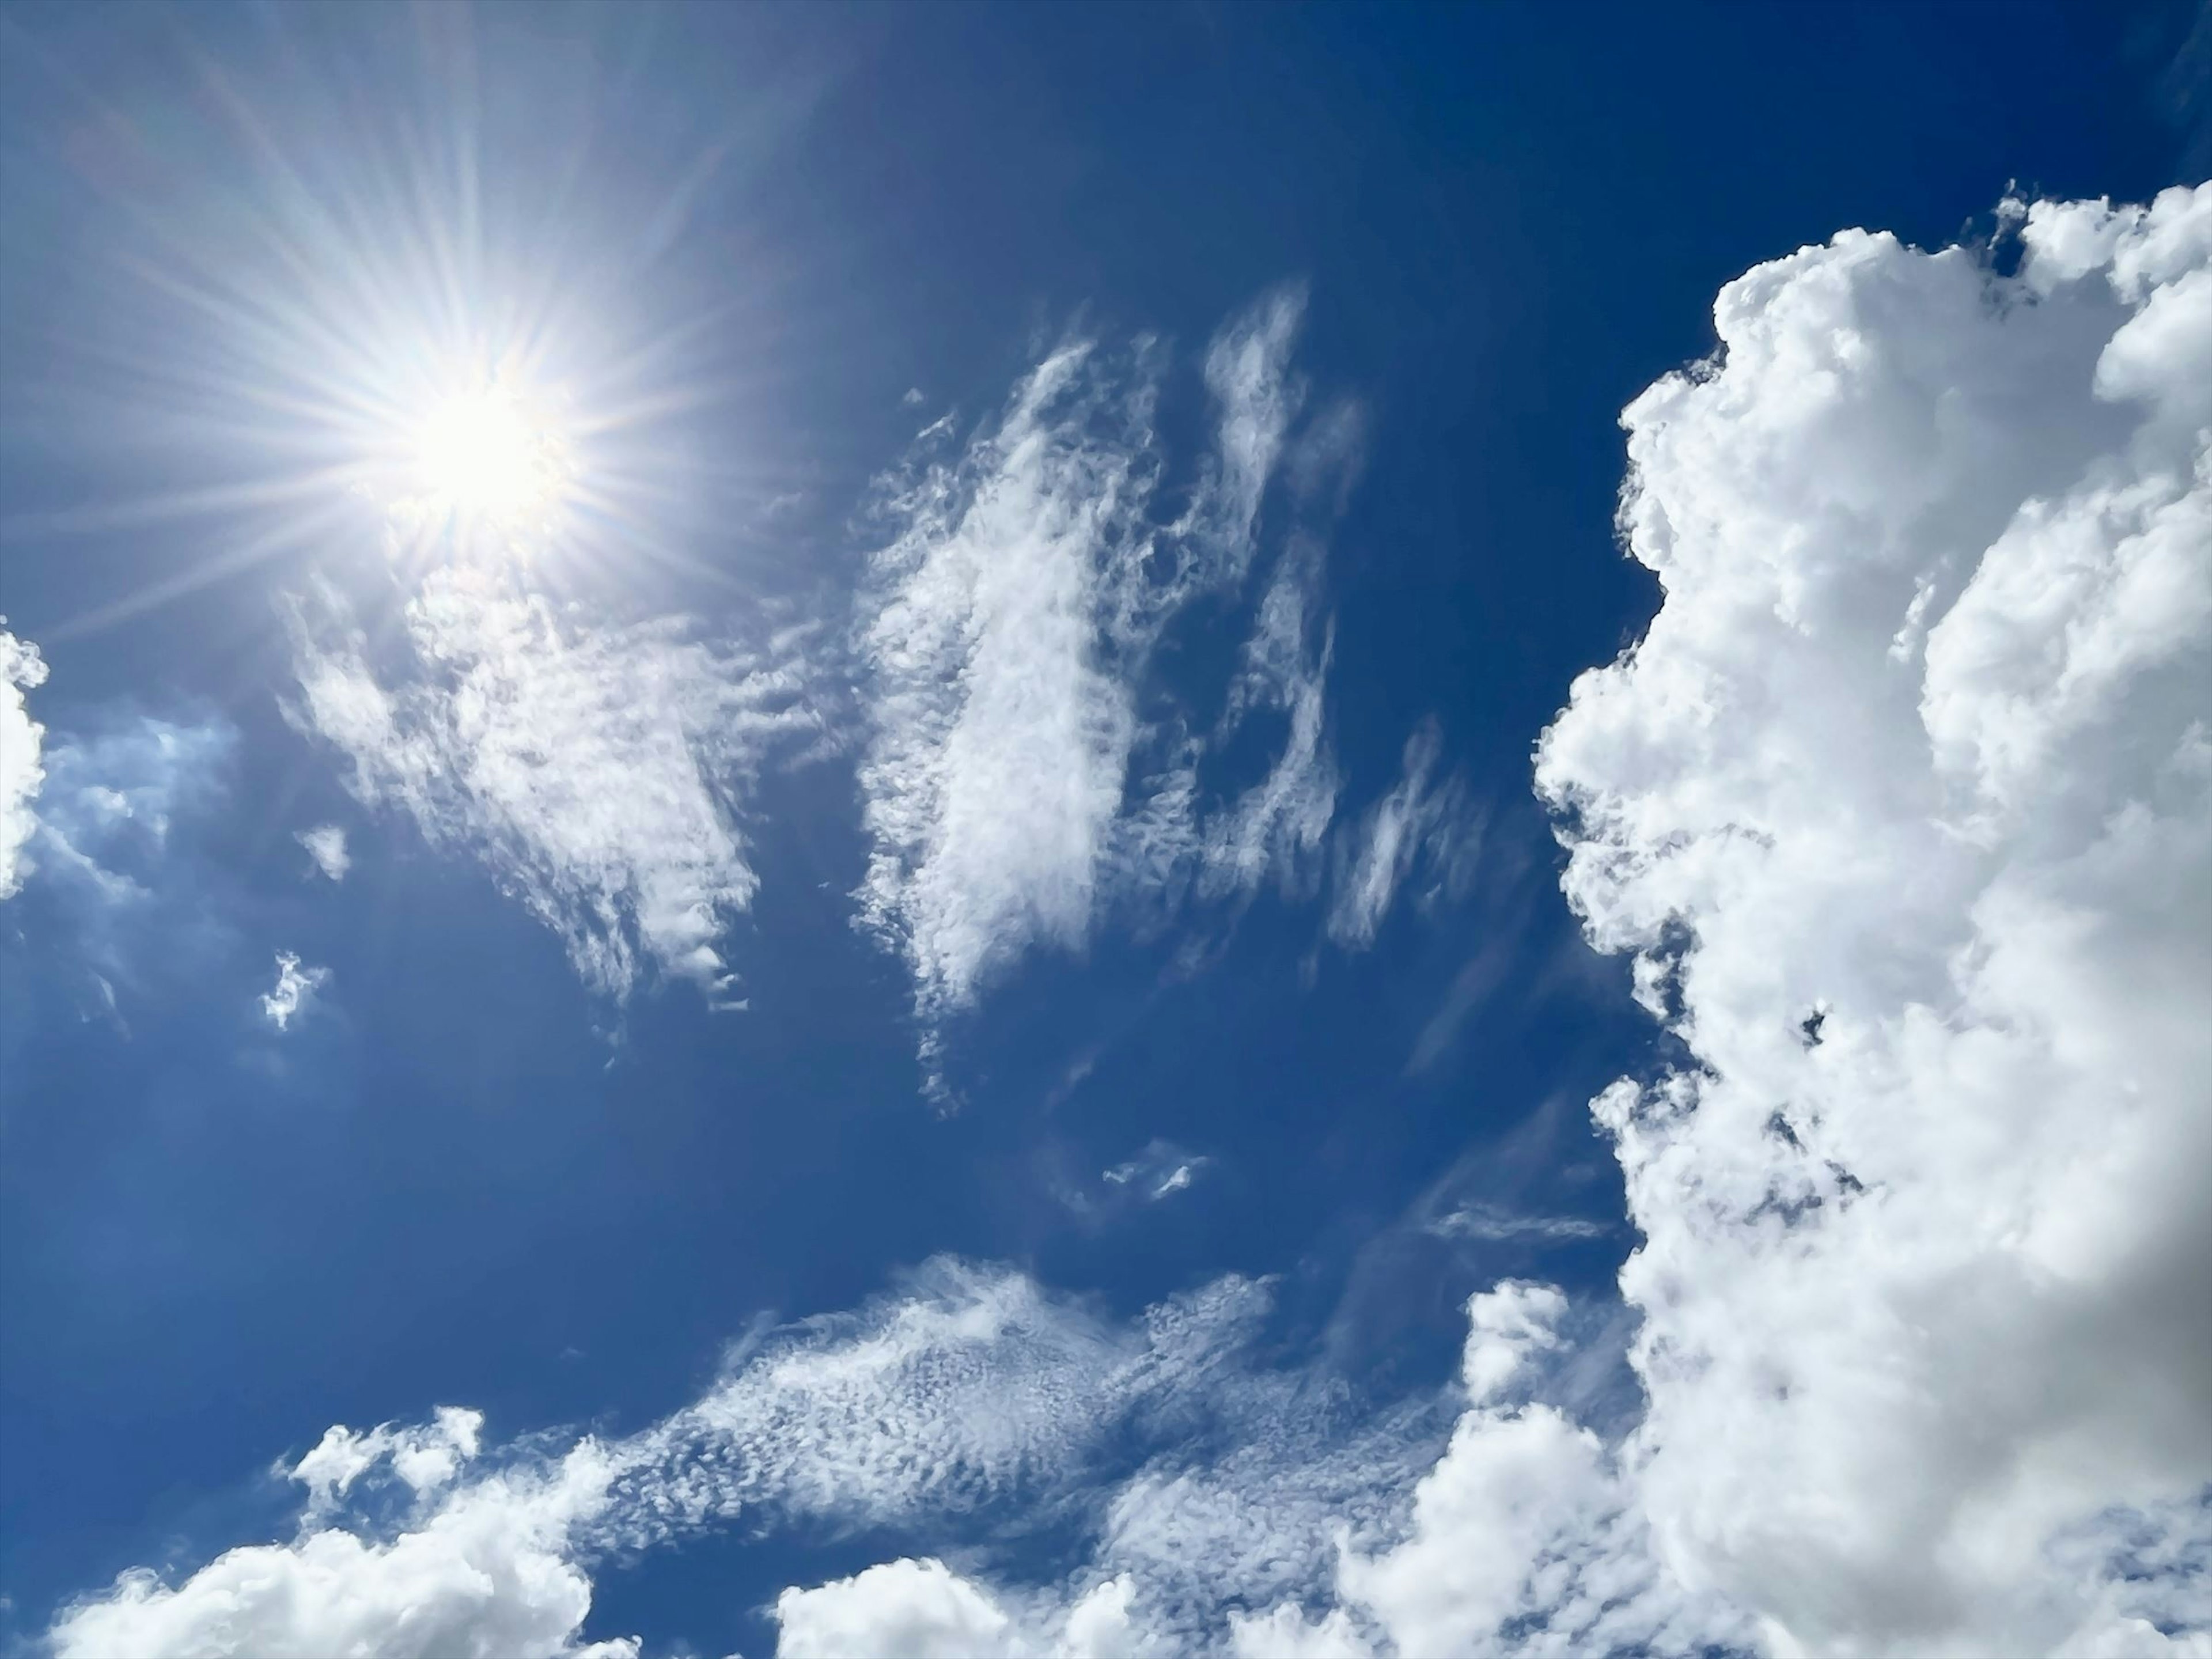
1417 826
1495 1225
1160 1170
295 988
482 1572
110 800
1917 745
594 770
1006 630
22 669
1922 874
971 1390
916 1608
1276 826
1002 730
326 846
423 1456
920 1609
1523 1537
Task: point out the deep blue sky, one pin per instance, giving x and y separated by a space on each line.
451 1186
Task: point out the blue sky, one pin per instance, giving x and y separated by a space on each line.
820 753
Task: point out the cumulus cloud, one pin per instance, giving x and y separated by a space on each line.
1423 830
1905 805
595 770
920 1609
297 986
1025 769
22 669
480 1570
423 1456
326 846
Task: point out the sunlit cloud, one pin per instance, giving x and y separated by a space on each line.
297 986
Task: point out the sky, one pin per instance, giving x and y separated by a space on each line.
1092 831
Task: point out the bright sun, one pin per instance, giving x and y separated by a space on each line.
485 456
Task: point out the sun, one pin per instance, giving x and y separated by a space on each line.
486 457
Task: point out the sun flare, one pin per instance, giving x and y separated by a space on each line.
487 457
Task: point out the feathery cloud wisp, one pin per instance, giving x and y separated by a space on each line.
295 988
1017 778
595 771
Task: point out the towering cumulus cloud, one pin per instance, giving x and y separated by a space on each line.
1904 807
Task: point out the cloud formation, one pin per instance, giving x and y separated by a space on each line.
1424 831
596 771
295 988
22 669
971 1391
478 1568
1025 769
1903 806
326 845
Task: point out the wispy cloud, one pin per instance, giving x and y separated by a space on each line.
1933 535
1023 770
1160 1170
1425 831
326 845
1276 827
598 772
296 988
1493 1224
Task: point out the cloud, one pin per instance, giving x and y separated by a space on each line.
111 799
422 1456
910 1608
596 771
295 988
22 669
920 1609
1418 826
1023 770
1276 826
1493 1224
482 1571
1903 804
971 1391
326 846
1160 1170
